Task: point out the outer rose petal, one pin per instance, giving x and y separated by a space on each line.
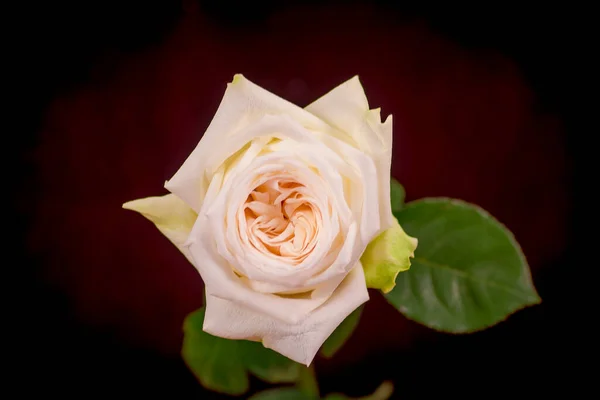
347 109
299 342
243 103
171 216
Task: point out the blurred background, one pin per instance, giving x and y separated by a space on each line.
117 94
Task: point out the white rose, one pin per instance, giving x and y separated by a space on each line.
275 207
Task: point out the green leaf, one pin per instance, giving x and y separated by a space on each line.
269 365
342 333
281 394
397 194
214 361
468 272
223 365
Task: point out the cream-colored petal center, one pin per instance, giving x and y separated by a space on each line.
282 219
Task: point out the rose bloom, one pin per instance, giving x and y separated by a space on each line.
274 208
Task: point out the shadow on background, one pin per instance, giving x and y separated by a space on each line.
117 96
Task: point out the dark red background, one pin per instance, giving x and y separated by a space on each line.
122 93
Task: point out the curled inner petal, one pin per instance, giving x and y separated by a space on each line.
281 218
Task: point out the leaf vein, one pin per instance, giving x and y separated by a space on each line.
466 275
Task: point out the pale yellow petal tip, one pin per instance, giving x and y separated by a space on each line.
388 288
415 244
237 79
131 205
374 115
142 205
386 256
356 82
388 120
389 285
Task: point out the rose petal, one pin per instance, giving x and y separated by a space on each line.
386 256
171 216
296 143
346 108
363 187
243 103
383 164
300 341
221 281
